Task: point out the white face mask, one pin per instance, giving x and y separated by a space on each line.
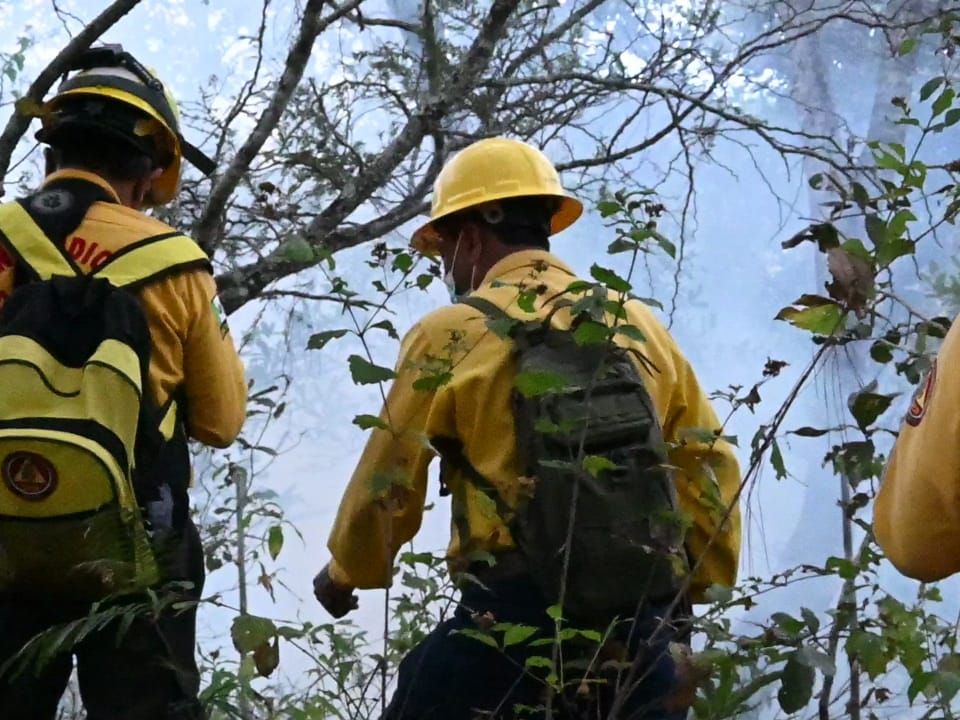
448 280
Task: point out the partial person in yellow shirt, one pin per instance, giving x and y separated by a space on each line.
495 205
115 149
917 510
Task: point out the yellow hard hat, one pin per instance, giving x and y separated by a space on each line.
138 109
495 169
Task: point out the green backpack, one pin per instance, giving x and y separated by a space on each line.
596 473
80 437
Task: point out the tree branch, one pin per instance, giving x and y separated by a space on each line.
18 123
238 286
242 284
310 28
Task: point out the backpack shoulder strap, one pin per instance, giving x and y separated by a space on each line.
36 227
33 249
152 258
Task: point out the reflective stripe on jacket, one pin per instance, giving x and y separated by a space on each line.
192 350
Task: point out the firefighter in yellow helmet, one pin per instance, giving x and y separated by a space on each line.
114 148
495 206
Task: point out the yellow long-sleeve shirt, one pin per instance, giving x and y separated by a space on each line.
917 511
191 347
383 504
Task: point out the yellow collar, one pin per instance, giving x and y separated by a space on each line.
524 259
74 174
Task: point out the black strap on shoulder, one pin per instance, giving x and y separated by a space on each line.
56 211
61 205
451 451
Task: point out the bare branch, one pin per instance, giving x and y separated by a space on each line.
310 28
240 285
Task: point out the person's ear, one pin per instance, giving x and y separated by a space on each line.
49 161
142 187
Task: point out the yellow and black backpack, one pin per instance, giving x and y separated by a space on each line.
79 433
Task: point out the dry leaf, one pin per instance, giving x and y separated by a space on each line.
852 279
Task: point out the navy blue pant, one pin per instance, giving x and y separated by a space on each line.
450 676
150 674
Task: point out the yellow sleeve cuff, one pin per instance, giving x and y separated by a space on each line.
339 575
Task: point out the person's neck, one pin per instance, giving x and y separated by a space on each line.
125 189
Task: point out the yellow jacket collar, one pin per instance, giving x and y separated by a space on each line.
74 174
523 260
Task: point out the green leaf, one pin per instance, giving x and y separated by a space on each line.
919 683
364 372
907 46
668 247
501 327
898 223
596 464
578 287
843 567
719 594
814 658
555 612
387 327
526 300
948 683
796 685
516 634
606 208
876 230
632 332
869 649
320 339
807 431
930 87
537 661
424 280
429 383
944 102
810 617
539 382
591 333
610 279
250 631
652 302
479 636
858 249
789 625
860 195
291 633
952 117
820 320
866 407
403 262
365 422
621 245
897 247
824 234
275 541
297 250
881 352
266 657
776 458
